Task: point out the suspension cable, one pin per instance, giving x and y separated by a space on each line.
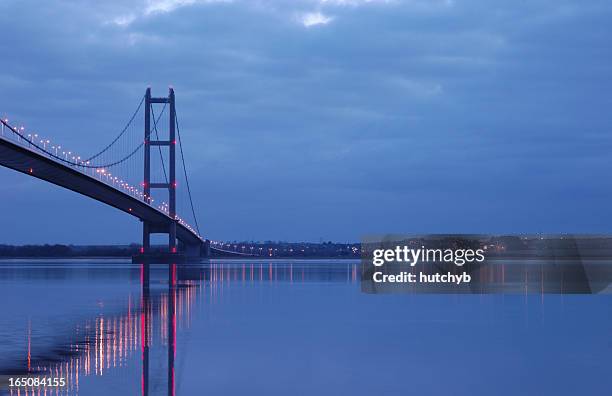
120 134
57 157
178 130
83 164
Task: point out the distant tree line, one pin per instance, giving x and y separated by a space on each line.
58 250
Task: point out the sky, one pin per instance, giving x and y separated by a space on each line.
315 120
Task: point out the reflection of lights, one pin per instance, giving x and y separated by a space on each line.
111 340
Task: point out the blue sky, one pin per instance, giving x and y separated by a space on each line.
338 118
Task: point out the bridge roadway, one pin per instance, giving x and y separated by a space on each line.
33 163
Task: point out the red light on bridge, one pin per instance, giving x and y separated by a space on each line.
130 209
31 170
141 250
174 249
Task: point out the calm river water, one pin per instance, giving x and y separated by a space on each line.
289 328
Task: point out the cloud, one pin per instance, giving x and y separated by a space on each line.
456 99
124 20
132 11
352 2
315 18
156 6
147 8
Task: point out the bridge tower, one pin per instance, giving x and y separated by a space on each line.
147 228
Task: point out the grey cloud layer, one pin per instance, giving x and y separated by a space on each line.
386 108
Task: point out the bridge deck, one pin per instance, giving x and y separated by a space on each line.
33 163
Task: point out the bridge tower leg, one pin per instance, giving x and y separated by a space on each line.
172 181
146 232
170 185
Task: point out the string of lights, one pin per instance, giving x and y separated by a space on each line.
99 165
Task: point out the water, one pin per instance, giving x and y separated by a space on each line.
289 328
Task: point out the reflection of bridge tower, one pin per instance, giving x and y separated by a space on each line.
146 318
170 184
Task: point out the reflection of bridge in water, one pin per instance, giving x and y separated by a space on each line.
107 343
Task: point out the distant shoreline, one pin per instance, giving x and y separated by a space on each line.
202 260
251 250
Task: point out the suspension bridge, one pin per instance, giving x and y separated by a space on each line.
129 173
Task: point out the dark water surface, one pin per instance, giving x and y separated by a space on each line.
289 328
